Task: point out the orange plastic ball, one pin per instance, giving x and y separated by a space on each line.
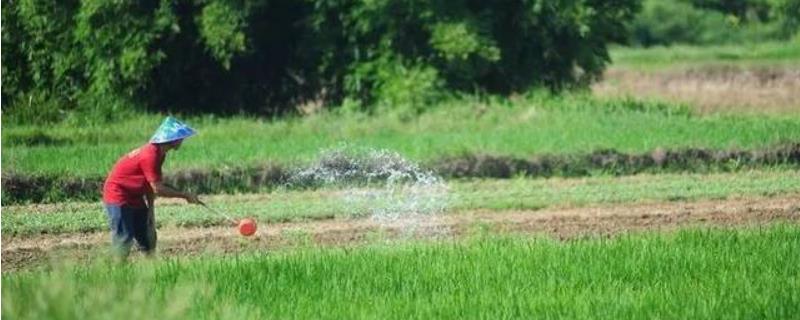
247 227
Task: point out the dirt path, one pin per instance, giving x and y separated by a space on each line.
22 252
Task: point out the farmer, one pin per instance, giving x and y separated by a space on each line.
133 184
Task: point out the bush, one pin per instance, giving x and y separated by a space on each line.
409 88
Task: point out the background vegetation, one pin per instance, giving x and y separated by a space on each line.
266 57
707 22
95 61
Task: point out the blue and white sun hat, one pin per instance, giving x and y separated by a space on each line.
170 130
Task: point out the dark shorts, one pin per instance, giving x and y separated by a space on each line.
129 224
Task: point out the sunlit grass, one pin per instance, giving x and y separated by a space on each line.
703 273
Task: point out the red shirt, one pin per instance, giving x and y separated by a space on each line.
129 180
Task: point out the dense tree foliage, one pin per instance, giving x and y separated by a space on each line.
268 56
715 21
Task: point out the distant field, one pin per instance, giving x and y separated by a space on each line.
703 273
518 127
732 79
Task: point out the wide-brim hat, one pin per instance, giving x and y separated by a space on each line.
170 130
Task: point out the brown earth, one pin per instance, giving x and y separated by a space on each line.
711 89
24 252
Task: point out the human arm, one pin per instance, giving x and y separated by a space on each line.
151 168
162 190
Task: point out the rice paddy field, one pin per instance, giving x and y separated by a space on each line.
674 205
542 124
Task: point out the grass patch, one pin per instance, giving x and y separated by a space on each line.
700 273
519 193
750 54
571 124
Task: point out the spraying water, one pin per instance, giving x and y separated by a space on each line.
379 184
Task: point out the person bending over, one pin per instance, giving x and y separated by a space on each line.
133 184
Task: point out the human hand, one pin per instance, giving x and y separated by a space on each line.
192 198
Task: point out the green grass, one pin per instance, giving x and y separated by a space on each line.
655 58
526 126
702 273
463 195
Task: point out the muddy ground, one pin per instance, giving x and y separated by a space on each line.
31 251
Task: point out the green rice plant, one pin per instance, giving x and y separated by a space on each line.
697 273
